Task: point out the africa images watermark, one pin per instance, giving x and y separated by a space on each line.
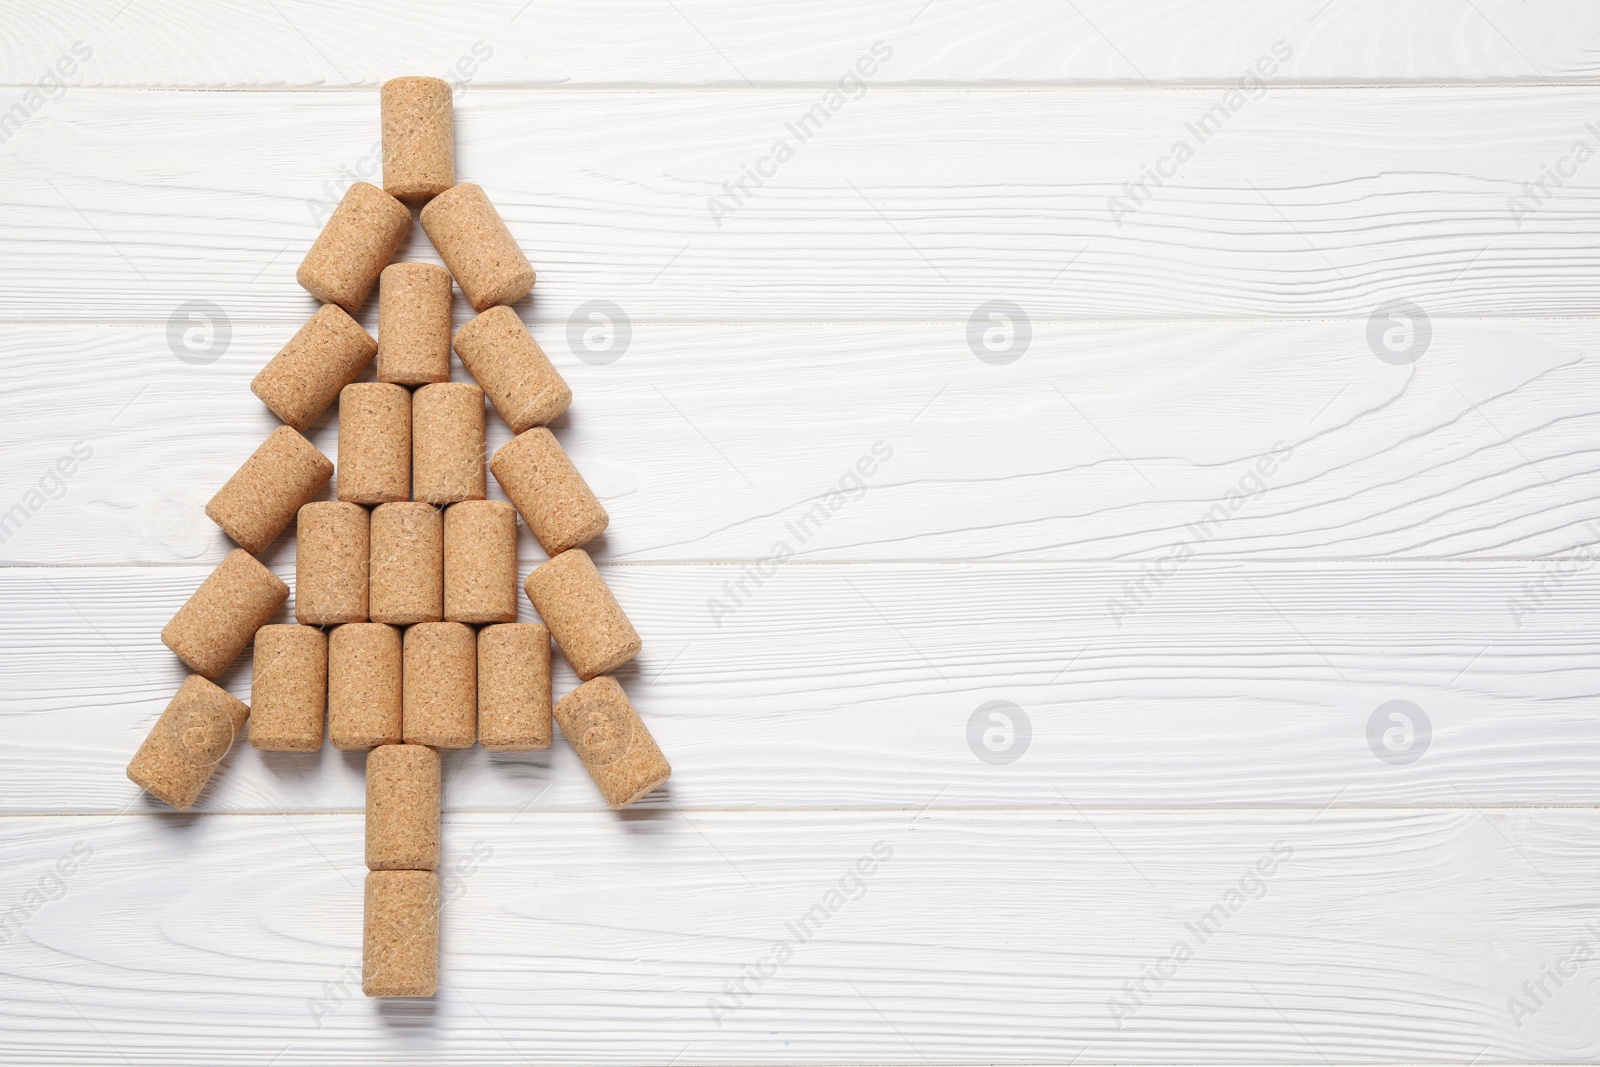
1152 176
1536 992
1538 592
852 85
1538 192
1153 574
459 76
52 85
1252 885
850 886
51 885
852 485
52 485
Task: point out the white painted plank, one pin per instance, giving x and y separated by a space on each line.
907 206
976 937
724 42
837 686
1103 441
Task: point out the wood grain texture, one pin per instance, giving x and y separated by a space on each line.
550 43
1103 442
993 937
837 686
906 206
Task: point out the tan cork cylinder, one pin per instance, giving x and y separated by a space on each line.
306 375
480 562
187 742
476 245
552 497
358 241
289 689
447 443
364 680
514 686
611 740
215 624
261 498
414 324
400 937
516 375
374 443
419 138
403 808
441 685
407 569
583 616
330 566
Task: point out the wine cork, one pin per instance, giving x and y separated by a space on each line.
364 686
403 808
514 686
475 244
609 737
447 443
419 138
261 498
289 689
480 562
400 937
516 375
306 375
215 624
441 685
549 493
374 443
414 324
360 238
583 616
407 579
330 567
187 742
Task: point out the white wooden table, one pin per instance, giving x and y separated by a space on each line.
911 391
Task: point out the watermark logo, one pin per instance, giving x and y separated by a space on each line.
999 332
199 332
599 332
1399 332
1399 733
999 732
52 485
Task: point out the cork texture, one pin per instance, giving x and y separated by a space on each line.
359 239
447 443
215 624
441 685
330 567
400 936
604 729
549 493
187 742
480 562
414 324
364 686
323 357
407 570
516 375
374 443
514 686
261 498
403 808
583 616
419 138
289 689
476 245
